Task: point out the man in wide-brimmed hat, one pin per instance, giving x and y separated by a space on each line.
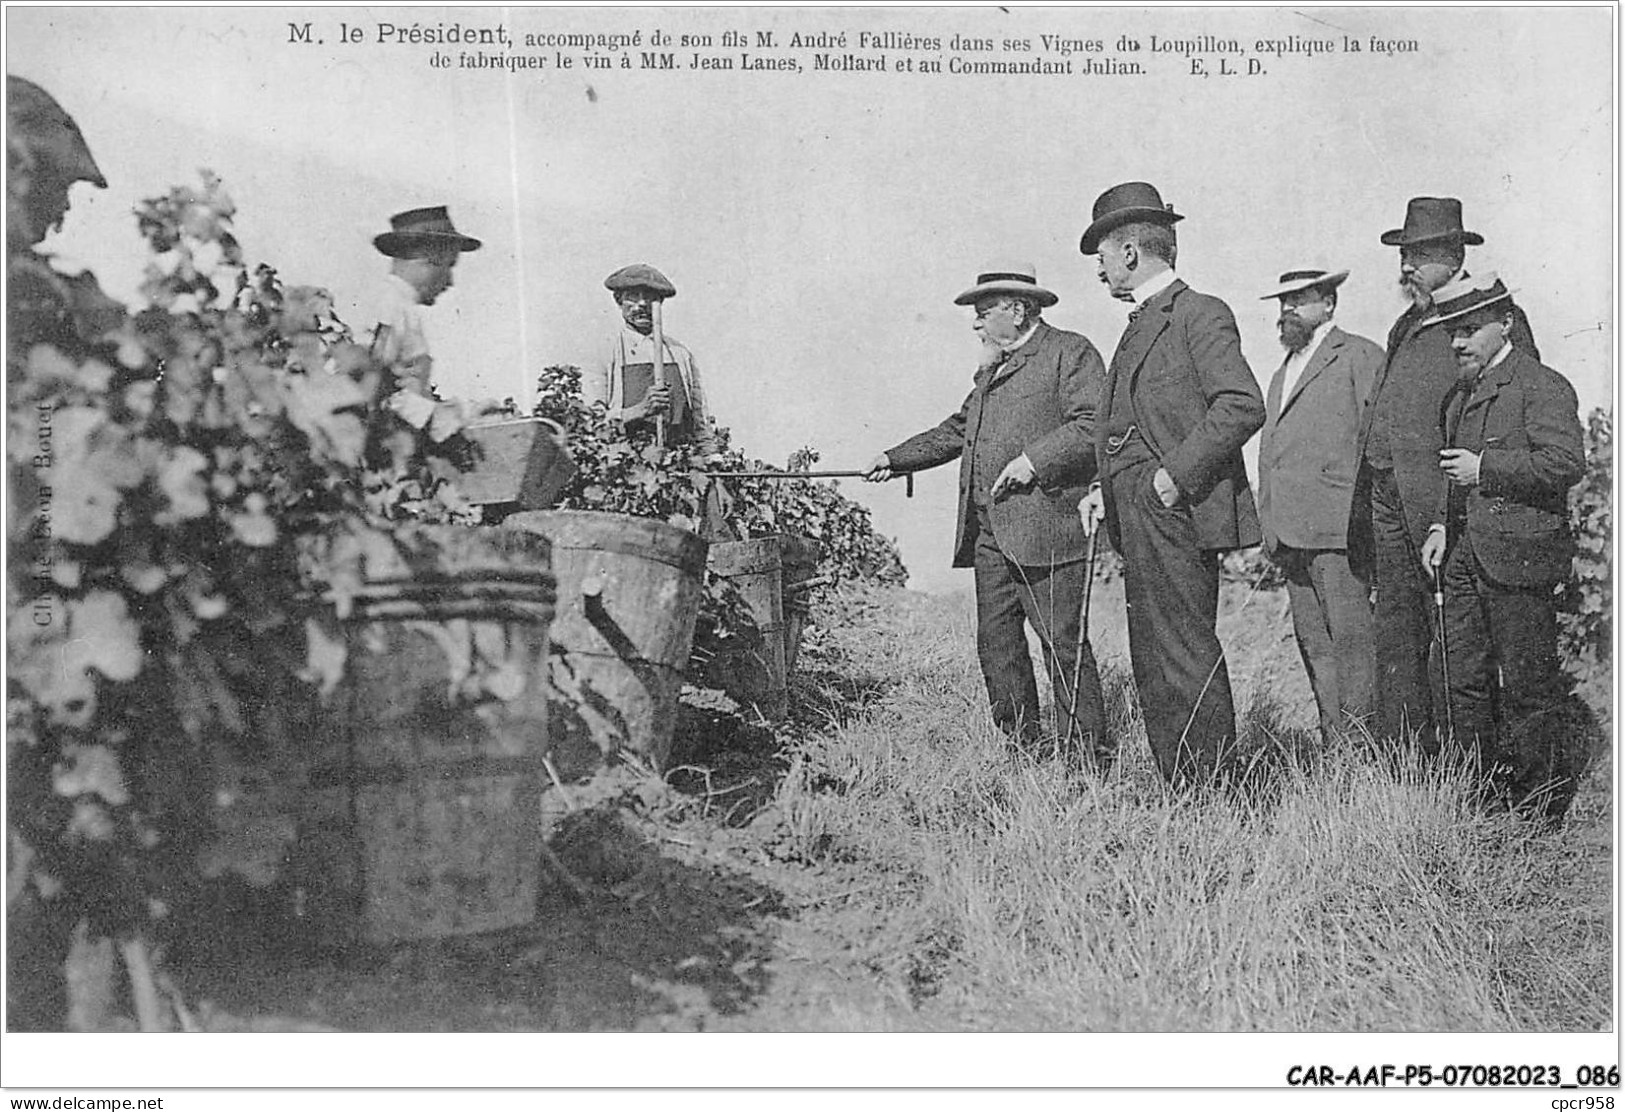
1178 404
1024 441
1512 449
1306 464
627 383
1399 483
423 246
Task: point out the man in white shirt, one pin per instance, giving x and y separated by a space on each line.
423 247
627 383
1307 459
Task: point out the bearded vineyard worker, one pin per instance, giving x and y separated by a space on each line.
629 387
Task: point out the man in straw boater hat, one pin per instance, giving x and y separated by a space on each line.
423 246
1178 404
1023 438
1399 484
1512 449
1306 464
634 391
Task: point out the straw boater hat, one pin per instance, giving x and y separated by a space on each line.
1016 279
1430 220
640 276
416 230
1295 280
1134 202
1466 296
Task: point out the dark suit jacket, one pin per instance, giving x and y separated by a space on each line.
1306 459
1422 367
1524 419
1041 401
1196 403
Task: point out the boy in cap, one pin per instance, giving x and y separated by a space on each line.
628 385
1306 463
1513 448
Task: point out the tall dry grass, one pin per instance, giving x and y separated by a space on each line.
1338 891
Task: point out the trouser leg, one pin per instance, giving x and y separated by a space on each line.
1403 614
1311 627
1539 752
1173 605
1472 665
1001 642
1053 599
1345 599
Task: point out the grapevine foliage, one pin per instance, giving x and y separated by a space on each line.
198 489
1586 615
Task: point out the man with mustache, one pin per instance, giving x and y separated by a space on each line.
1306 466
1513 448
1399 484
1178 404
1023 440
628 385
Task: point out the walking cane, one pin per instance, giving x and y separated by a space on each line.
1083 632
1444 652
659 370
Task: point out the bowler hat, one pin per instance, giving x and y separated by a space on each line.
48 132
640 276
1295 280
1468 295
1132 202
1429 220
418 230
1007 277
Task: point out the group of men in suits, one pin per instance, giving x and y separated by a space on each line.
1454 448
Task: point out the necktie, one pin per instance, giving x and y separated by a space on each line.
1134 313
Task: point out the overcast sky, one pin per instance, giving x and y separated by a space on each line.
818 225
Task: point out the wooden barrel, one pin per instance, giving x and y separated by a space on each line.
800 556
754 673
629 594
424 797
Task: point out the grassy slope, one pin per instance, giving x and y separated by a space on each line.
994 892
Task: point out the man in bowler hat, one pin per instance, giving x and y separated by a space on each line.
1513 448
1178 404
423 246
1399 485
1023 438
1306 463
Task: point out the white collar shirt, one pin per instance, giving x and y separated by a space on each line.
1292 368
1153 285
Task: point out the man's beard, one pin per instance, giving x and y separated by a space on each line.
1414 292
1295 333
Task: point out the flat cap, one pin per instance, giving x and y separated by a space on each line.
640 276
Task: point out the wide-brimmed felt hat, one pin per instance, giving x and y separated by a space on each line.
1464 296
1429 220
49 134
423 229
640 276
1133 202
1006 276
1295 280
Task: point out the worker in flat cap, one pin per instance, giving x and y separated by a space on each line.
1178 404
1306 462
423 246
1399 484
1500 531
1023 438
631 389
